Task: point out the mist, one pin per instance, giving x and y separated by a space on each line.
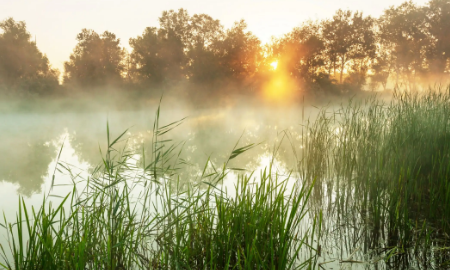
195 59
223 81
351 110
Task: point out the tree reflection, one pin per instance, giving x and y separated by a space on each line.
24 161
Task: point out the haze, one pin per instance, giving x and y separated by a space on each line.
225 134
55 23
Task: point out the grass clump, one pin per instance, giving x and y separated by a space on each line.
256 229
128 216
385 166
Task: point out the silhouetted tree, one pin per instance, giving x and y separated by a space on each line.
381 67
96 60
240 52
300 53
202 51
194 48
23 68
157 56
176 23
407 41
350 43
181 48
438 26
403 33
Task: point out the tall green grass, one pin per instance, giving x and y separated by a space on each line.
385 166
381 176
128 216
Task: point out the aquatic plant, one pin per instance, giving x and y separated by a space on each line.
383 168
132 214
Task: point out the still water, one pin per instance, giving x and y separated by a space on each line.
31 142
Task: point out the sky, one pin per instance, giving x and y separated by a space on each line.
55 23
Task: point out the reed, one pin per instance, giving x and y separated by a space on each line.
381 177
136 215
384 166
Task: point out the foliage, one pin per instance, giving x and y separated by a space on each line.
96 60
387 166
403 31
24 70
128 217
194 48
408 44
300 53
156 57
438 20
349 37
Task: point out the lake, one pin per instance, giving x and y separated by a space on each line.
33 141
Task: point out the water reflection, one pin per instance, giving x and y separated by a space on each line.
27 148
27 164
352 241
30 141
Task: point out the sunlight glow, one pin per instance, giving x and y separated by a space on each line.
274 65
279 89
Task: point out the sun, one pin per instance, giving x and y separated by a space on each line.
274 65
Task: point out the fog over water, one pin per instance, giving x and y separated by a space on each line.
33 133
352 106
31 140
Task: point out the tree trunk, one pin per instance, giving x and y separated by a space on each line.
342 68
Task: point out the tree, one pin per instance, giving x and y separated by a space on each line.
196 48
403 33
202 51
23 68
438 26
381 68
240 52
96 60
177 24
349 39
158 56
204 31
300 52
181 48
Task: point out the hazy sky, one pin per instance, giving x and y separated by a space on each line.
56 23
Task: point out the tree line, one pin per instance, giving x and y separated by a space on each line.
408 44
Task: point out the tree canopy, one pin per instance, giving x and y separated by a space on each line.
408 44
97 60
24 70
194 48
